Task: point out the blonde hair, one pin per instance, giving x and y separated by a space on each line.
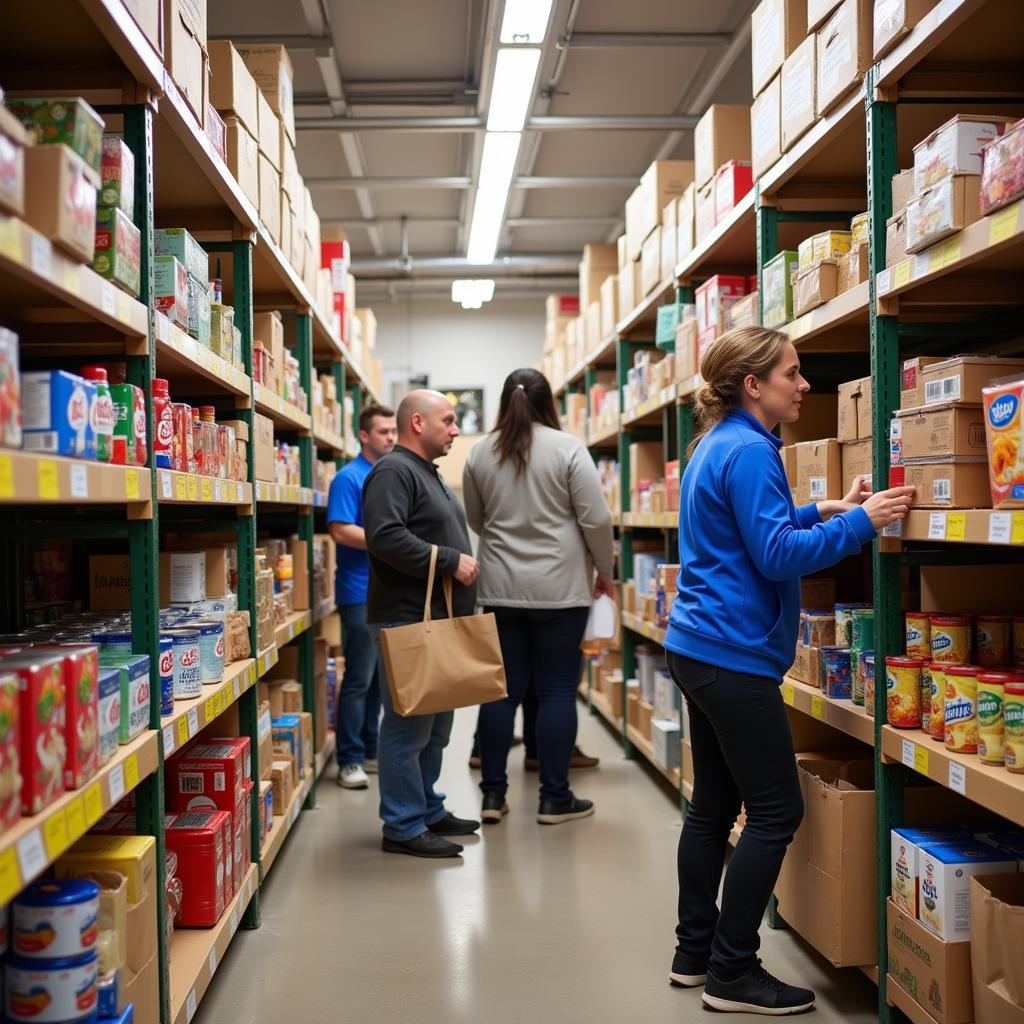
725 365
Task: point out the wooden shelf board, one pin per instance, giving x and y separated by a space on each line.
273 841
840 714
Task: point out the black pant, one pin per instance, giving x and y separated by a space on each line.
742 753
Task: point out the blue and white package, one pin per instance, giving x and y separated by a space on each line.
55 414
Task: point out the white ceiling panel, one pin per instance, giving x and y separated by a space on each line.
661 16
411 154
557 238
423 240
333 205
596 153
568 202
440 202
320 155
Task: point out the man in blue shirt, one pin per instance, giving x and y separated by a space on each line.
358 702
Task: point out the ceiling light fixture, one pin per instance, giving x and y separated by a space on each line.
525 21
472 293
512 92
496 169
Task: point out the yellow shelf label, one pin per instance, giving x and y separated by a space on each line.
921 759
93 804
252 674
1017 528
182 730
179 488
944 254
206 489
789 694
131 772
55 835
131 484
213 707
6 477
1003 224
956 525
76 819
10 876
10 239
818 708
901 274
191 488
49 480
71 279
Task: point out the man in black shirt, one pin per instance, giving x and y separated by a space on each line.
407 508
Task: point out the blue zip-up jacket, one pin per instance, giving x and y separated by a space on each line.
743 546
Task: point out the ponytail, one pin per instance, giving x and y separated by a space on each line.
526 399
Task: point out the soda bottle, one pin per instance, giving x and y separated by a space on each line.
163 420
101 414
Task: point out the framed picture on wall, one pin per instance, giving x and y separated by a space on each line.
469 408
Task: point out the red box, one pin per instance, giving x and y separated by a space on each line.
198 840
209 776
41 714
81 711
704 340
732 182
714 297
10 804
672 485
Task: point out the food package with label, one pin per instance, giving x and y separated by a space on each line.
945 208
955 148
81 717
13 139
117 176
10 759
135 692
118 254
825 245
1004 438
199 840
109 711
777 283
60 202
815 286
177 242
733 180
10 391
55 414
199 310
70 121
170 280
209 776
1002 170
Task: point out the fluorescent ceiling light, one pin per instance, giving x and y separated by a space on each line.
525 21
497 166
512 92
472 293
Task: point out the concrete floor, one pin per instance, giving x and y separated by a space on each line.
568 923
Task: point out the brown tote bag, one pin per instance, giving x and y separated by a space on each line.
443 664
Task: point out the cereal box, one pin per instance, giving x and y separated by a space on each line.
10 391
904 844
55 414
81 695
10 761
118 250
1002 405
117 176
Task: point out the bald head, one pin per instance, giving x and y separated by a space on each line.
426 423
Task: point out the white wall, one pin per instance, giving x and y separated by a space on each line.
459 348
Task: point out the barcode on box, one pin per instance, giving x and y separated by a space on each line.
189 782
942 491
947 389
819 487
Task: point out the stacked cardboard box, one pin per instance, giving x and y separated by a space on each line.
722 170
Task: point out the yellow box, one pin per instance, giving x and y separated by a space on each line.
132 856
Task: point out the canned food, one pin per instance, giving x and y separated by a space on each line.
1017 632
51 991
992 635
844 622
903 692
961 717
835 672
1013 715
991 724
166 674
863 629
857 677
951 639
211 649
937 674
926 697
919 635
866 663
114 641
56 918
188 669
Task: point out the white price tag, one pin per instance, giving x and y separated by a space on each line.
937 526
42 263
999 528
193 721
116 783
236 687
108 299
893 529
895 429
234 920
218 491
79 481
212 961
168 739
908 753
31 854
165 483
190 1005
958 777
884 281
920 265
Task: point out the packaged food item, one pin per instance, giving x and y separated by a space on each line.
163 424
961 709
860 228
166 675
819 628
101 412
10 758
118 250
919 635
61 202
211 650
170 290
188 668
866 666
1002 170
992 640
177 242
182 452
81 715
825 245
863 629
13 139
954 148
129 446
199 311
991 723
135 692
951 639
1002 407
1018 640
1013 725
67 120
733 181
287 739
55 414
836 678
109 715
844 621
946 207
777 285
51 991
56 918
117 176
904 852
130 855
903 692
198 840
937 688
10 390
210 776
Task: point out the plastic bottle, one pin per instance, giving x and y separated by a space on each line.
208 418
163 419
197 443
101 413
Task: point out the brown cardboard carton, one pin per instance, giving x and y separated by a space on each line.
271 66
856 462
650 263
947 207
853 268
766 127
849 396
232 89
13 140
896 238
902 189
942 431
936 974
281 779
627 292
721 135
704 215
777 27
142 990
149 16
798 91
912 380
801 667
291 697
844 52
961 378
997 937
634 225
270 198
263 447
894 19
646 461
817 419
60 200
686 350
788 454
948 483
597 263
815 286
140 929
593 330
662 181
109 583
185 52
269 134
818 11
819 471
300 574
686 223
865 411
609 305
306 735
670 237
243 159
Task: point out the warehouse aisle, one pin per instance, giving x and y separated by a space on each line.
533 924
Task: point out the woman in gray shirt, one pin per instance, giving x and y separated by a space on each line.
533 495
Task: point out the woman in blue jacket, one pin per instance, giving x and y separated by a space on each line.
743 547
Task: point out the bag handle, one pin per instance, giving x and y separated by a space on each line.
430 586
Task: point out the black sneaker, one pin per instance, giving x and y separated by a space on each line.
494 808
449 825
426 844
756 992
687 972
554 813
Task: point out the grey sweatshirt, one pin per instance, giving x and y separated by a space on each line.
542 534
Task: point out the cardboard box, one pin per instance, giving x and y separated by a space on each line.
270 198
819 471
704 217
855 408
269 134
856 462
776 29
662 181
815 286
686 223
818 414
300 574
142 990
961 378
597 263
13 140
232 88
912 380
954 148
945 483
788 456
894 19
896 238
722 134
627 290
902 189
670 237
818 11
801 667
766 127
634 225
271 67
609 305
263 447
945 208
60 200
243 159
853 268
934 973
646 461
650 264
941 431
798 89
843 52
149 16
997 931
185 52
109 583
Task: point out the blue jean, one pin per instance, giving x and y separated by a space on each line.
411 749
542 644
358 704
